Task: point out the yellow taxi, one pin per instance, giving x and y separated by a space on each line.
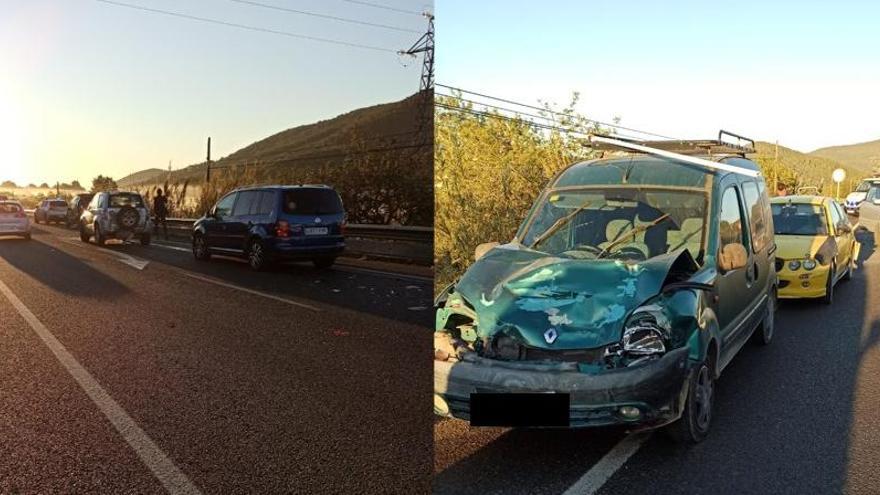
816 246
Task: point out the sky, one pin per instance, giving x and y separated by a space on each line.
90 88
803 73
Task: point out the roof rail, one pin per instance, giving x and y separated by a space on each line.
677 150
720 146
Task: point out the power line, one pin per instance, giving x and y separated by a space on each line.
385 7
324 16
247 27
525 105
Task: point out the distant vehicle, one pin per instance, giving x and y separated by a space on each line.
51 210
274 223
855 198
3 197
77 205
115 215
807 190
816 246
13 220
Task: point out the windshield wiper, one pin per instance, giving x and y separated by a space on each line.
558 224
631 233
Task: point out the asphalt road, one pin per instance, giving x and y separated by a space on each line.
799 416
125 367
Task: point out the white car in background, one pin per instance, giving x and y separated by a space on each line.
13 220
855 198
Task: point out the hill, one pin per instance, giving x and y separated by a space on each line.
149 175
796 169
862 156
365 130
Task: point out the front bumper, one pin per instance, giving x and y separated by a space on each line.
656 389
802 283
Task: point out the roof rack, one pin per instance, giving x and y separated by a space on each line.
721 146
683 150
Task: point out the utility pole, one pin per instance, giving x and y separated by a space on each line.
425 44
208 169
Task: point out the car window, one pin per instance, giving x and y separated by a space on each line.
244 203
799 219
102 201
58 204
836 217
872 193
126 199
311 201
730 220
755 209
9 208
224 206
264 203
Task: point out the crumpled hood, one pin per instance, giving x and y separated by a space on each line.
798 247
524 293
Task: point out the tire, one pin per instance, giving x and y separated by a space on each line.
324 262
200 247
828 298
145 239
99 236
83 233
27 236
128 218
256 255
696 419
36 219
764 333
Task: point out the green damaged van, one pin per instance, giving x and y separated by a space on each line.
631 284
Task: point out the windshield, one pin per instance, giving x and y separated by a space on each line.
311 201
799 219
629 223
57 204
126 199
9 208
863 186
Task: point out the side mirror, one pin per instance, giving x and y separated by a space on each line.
732 257
843 228
483 249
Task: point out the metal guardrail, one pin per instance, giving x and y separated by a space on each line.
420 235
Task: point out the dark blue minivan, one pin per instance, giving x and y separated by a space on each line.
274 223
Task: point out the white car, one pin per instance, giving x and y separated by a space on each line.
855 198
13 220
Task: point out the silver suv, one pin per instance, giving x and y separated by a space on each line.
115 215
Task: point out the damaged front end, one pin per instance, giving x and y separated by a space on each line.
617 338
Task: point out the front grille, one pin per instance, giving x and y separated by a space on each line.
783 284
568 356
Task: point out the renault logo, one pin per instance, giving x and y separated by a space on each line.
550 335
317 219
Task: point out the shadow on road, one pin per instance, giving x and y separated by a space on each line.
58 270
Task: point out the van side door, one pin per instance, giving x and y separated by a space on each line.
217 221
734 287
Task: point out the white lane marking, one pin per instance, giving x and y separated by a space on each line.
597 475
169 246
249 291
171 477
123 258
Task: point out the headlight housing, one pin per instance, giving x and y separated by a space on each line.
809 264
793 265
645 333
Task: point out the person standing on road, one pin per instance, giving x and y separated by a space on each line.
160 210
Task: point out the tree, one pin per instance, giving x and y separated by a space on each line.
76 185
32 186
44 186
8 183
101 183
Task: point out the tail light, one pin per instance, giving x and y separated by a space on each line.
282 228
20 214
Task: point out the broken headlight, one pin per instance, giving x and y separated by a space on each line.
644 334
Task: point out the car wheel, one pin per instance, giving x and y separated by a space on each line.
696 419
256 254
27 236
145 239
764 333
83 233
828 298
99 236
200 248
324 262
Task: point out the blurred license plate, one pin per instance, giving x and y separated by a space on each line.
317 230
519 409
